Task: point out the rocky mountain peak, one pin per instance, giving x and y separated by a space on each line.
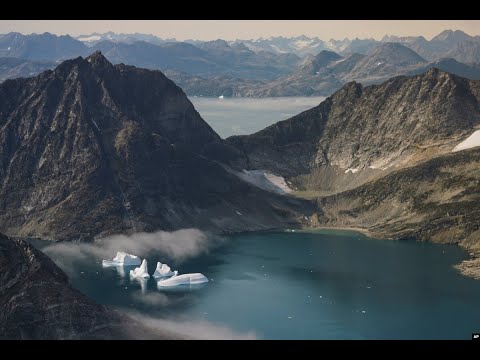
451 36
97 59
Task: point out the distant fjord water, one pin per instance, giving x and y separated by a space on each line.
243 116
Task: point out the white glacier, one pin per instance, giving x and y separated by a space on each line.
140 272
184 279
470 142
162 270
122 259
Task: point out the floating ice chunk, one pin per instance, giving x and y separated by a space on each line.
162 270
184 279
122 259
140 272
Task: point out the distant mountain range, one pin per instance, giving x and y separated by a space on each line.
253 68
448 43
327 72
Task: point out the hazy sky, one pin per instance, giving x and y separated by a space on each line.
245 29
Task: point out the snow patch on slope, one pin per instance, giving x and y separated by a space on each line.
470 142
265 180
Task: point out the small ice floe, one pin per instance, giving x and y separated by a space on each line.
122 259
163 270
184 279
140 272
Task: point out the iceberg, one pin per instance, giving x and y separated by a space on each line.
122 259
184 279
140 272
163 270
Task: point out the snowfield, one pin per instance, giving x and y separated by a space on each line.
470 142
265 180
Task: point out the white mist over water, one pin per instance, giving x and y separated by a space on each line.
178 245
242 116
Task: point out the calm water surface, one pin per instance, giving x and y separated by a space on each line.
242 116
316 285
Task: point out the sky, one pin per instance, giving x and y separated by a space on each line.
245 29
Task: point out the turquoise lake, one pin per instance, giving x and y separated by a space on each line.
306 285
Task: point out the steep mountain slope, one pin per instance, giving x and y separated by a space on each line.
360 133
12 68
387 60
90 149
36 302
467 51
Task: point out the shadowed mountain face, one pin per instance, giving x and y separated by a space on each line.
91 149
36 302
368 130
